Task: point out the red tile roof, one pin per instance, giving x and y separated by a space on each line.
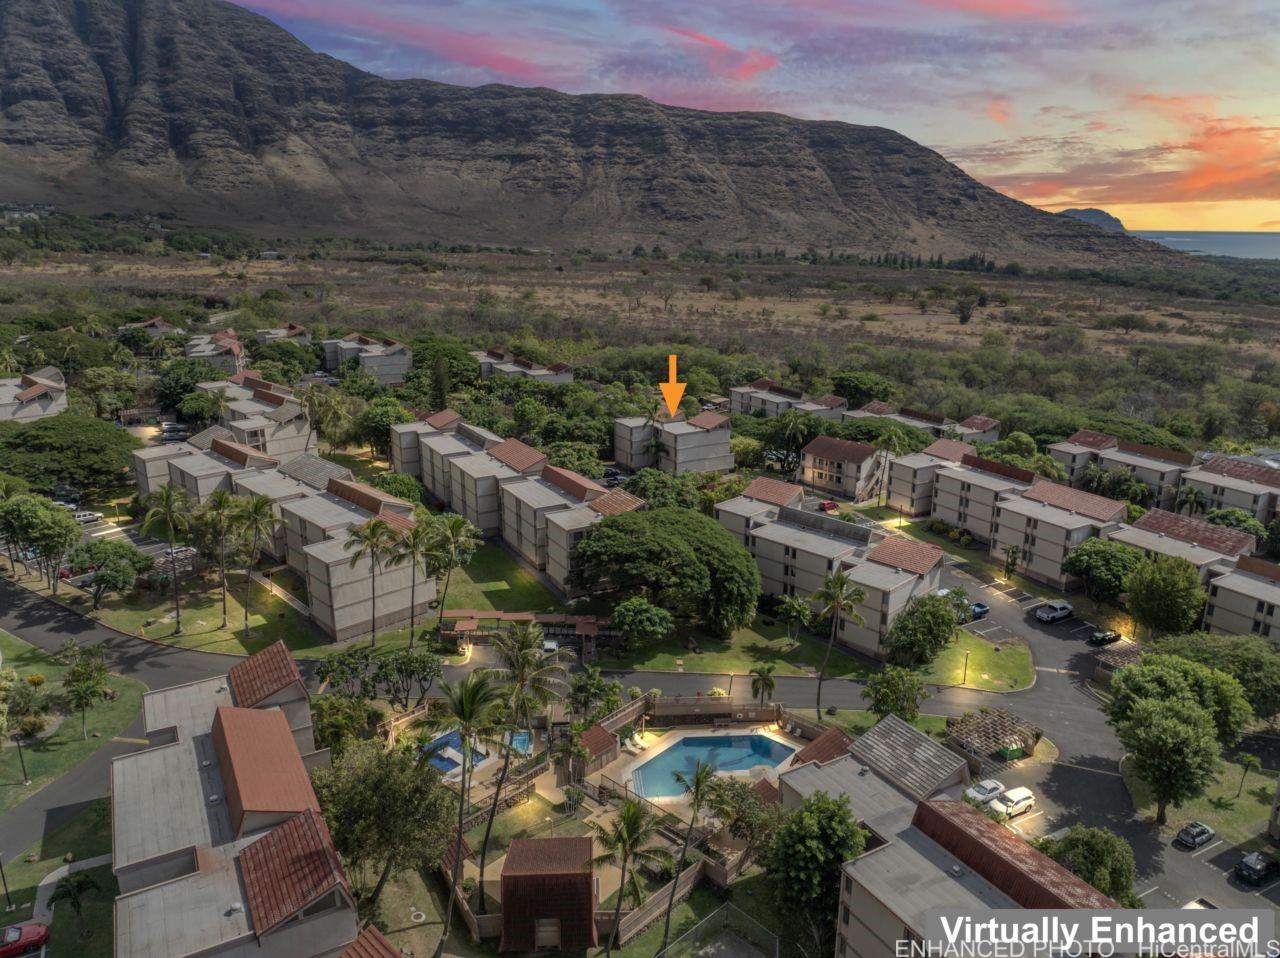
949 449
1258 567
468 854
548 879
1175 456
1222 539
289 868
547 856
922 415
999 469
238 452
367 497
767 792
443 419
572 483
877 408
709 420
981 423
831 401
516 455
838 450
761 384
906 554
830 745
262 770
773 491
1076 500
371 944
1094 440
1029 877
597 740
268 396
262 675
1236 469
615 502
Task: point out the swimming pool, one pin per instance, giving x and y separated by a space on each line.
725 753
446 750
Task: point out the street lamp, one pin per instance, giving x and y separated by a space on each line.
966 667
8 899
17 740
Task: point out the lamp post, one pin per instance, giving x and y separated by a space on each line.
17 740
966 667
8 899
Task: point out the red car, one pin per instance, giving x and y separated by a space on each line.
827 505
23 939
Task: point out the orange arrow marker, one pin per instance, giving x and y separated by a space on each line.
672 391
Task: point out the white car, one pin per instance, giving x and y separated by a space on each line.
89 517
1015 801
550 646
984 791
1054 611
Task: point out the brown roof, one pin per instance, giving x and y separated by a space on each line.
951 449
878 408
1175 456
239 452
289 868
773 491
262 770
709 420
1222 539
558 367
999 469
827 747
548 879
1258 567
986 731
371 944
831 401
573 483
981 423
468 853
838 450
761 384
767 792
516 454
1075 500
924 416
597 740
906 554
1029 877
1237 469
268 396
1094 440
364 496
615 502
262 675
547 856
443 419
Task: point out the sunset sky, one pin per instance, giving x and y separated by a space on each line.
1163 112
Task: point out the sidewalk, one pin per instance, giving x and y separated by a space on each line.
43 911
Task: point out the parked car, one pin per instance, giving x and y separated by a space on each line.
1104 637
984 791
550 646
612 472
1054 611
829 505
89 516
1257 868
173 427
1194 835
1200 903
174 437
1016 801
26 939
979 610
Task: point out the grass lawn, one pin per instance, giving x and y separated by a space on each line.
495 581
877 513
55 754
857 721
412 894
357 460
290 581
1237 819
529 820
999 668
701 902
748 648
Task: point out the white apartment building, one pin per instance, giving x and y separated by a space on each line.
1227 483
386 360
912 477
1243 601
436 450
201 474
894 572
839 467
1211 548
1160 470
476 481
766 398
566 527
406 440
497 361
288 333
971 430
675 446
1079 451
33 396
1045 523
528 504
965 494
222 350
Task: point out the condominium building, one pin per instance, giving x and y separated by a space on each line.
1045 523
298 478
406 440
675 446
965 494
1227 483
839 467
261 414
766 398
33 396
1243 601
386 360
978 429
1159 469
221 350
970 430
527 505
759 497
201 474
1079 451
436 450
894 572
475 481
566 527
912 477
288 333
218 845
497 361
154 328
151 465
1211 548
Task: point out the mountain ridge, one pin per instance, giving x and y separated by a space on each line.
211 112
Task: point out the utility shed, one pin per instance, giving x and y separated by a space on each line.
908 758
548 895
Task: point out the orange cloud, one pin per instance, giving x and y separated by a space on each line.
725 60
999 110
999 9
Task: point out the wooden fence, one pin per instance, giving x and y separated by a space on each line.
636 920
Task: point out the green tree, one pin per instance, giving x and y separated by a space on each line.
797 612
696 787
178 379
402 673
922 630
1174 749
374 541
419 549
838 599
1237 519
1165 595
1100 857
373 423
895 691
386 809
631 839
400 485
1012 556
860 387
747 818
579 457
1250 660
762 683
220 515
788 433
1170 678
1190 499
256 521
748 453
67 449
169 514
84 685
116 564
456 541
640 621
202 407
55 533
341 719
71 890
1248 762
661 490
1103 564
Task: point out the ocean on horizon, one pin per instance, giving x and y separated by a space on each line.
1205 243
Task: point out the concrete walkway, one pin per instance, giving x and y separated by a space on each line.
290 599
43 911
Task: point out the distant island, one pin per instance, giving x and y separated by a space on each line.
1097 217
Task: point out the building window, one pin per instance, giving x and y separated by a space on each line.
844 914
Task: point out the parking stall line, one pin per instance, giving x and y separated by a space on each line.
1148 891
1083 627
1263 891
1207 848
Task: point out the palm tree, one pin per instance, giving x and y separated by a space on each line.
627 840
71 889
475 709
10 486
257 522
762 683
9 361
169 512
1248 763
1012 555
418 548
796 612
892 442
456 540
221 513
1192 499
373 541
85 684
698 787
839 598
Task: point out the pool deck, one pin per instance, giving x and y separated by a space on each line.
623 770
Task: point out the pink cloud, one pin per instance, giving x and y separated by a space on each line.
999 9
999 110
724 60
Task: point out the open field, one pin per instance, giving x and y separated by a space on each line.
1238 818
